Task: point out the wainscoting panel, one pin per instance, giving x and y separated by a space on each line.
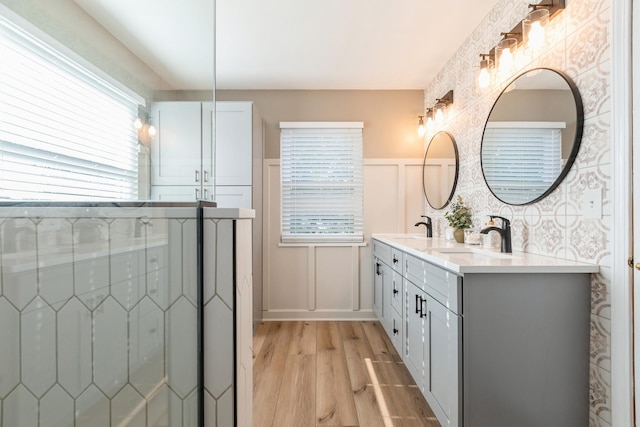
334 282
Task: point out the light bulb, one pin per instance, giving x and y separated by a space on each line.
420 126
484 78
151 131
536 35
429 123
137 123
439 115
506 59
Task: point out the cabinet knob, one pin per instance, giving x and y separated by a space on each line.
395 331
395 260
395 291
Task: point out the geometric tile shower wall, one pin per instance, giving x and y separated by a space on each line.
98 319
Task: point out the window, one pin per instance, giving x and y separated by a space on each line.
65 131
321 181
521 160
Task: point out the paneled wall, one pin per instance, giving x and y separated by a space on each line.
329 282
578 43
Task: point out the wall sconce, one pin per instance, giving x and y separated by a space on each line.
485 71
441 105
534 23
505 51
142 124
429 117
421 129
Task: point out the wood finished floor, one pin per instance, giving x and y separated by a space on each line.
332 374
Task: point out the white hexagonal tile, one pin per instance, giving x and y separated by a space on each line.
110 347
74 347
224 261
127 278
225 408
165 409
146 346
128 408
20 408
56 283
181 346
91 280
210 410
56 408
190 410
92 409
10 348
19 285
218 347
190 261
38 347
210 253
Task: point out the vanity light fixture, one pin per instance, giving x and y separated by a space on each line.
143 126
429 116
441 105
421 129
505 51
484 73
533 25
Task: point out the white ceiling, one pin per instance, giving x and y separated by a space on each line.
293 44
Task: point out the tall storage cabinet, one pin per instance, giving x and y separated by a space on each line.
182 151
188 164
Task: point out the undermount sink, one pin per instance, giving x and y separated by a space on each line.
473 252
411 237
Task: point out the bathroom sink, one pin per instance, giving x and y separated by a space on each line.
410 237
473 252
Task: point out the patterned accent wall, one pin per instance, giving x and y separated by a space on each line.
578 44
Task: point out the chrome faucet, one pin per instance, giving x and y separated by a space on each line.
427 224
505 233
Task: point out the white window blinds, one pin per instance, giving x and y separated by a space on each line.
321 181
521 160
65 132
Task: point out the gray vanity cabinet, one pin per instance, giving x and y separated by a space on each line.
492 346
432 352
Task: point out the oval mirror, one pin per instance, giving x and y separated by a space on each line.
532 136
440 170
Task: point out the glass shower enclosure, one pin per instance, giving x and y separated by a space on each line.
102 310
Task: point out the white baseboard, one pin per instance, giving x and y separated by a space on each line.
279 315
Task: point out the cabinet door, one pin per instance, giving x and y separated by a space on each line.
176 193
233 162
207 145
387 275
377 287
415 308
441 362
176 149
233 196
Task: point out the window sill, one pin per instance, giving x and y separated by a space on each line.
320 244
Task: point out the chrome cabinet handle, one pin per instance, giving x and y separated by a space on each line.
197 193
197 175
205 176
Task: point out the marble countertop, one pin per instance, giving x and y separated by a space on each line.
460 258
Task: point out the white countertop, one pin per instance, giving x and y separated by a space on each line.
460 258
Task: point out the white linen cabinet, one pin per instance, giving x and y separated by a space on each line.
182 151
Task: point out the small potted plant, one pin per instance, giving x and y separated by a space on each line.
459 217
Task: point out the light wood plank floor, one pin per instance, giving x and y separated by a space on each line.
347 374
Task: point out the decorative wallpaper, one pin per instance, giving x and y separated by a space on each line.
578 43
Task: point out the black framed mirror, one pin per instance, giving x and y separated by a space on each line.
532 136
440 170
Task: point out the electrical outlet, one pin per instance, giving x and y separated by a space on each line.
592 203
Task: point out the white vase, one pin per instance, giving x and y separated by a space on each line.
448 233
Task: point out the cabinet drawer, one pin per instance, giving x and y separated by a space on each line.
397 260
396 292
382 252
441 284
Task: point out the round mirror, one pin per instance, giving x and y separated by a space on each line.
532 136
440 170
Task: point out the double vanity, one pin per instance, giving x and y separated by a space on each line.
491 339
